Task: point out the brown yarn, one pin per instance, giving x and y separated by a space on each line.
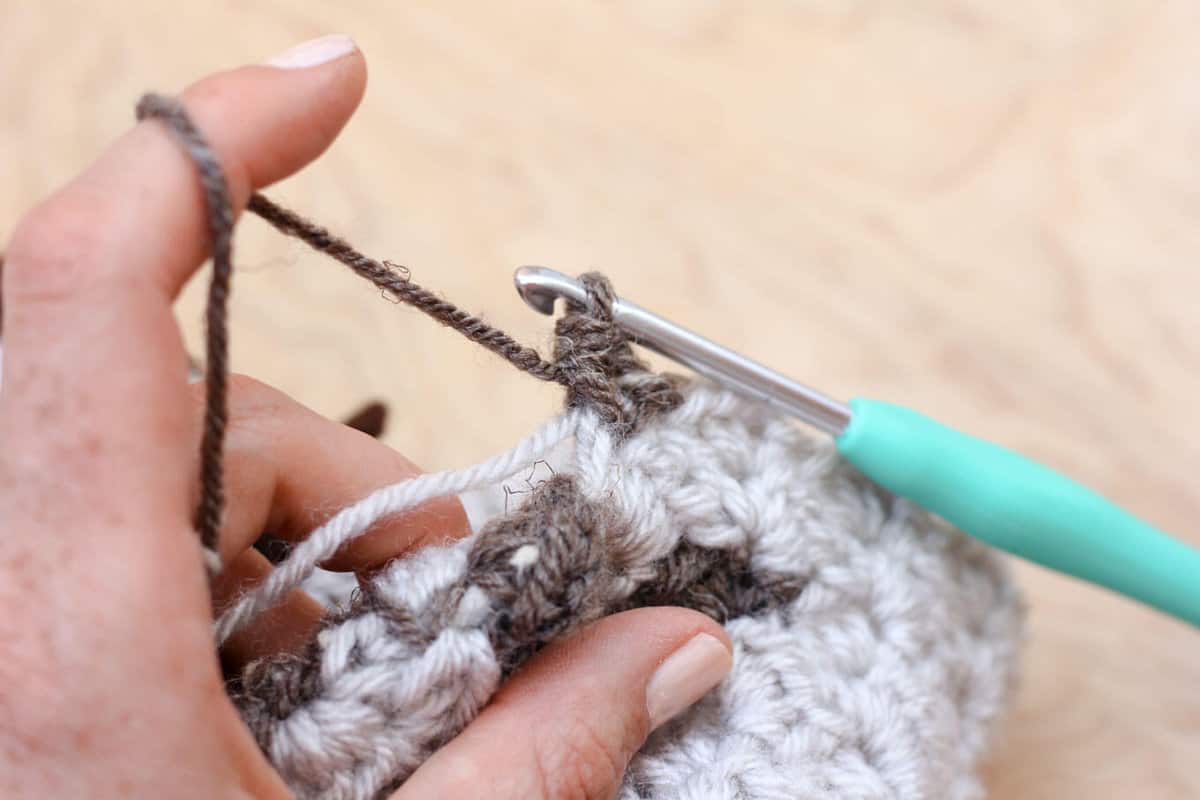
579 576
371 419
397 284
593 358
220 229
603 371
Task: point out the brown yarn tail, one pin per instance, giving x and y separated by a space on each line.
397 284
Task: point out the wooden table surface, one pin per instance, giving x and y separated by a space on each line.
989 211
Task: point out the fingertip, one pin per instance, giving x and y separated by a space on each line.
314 52
567 722
686 653
302 110
625 649
685 676
140 200
662 628
286 628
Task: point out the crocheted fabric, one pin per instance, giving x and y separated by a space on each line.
874 647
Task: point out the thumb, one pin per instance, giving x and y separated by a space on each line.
566 725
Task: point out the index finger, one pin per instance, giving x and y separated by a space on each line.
94 411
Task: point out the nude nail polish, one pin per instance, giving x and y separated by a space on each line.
686 676
314 52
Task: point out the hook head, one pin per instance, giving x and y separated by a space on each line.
539 287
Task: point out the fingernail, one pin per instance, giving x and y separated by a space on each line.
314 52
686 676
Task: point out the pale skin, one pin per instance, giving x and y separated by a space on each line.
109 684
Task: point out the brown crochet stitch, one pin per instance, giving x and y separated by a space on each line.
604 372
578 577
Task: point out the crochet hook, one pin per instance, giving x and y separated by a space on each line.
988 491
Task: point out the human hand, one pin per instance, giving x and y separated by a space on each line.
110 685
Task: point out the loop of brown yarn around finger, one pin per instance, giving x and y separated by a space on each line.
219 215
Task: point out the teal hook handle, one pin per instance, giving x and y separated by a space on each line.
1021 507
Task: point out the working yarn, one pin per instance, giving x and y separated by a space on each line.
874 647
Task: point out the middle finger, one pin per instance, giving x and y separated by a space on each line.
289 470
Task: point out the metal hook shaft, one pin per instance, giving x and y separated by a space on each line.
539 287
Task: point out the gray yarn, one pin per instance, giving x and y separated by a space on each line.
882 679
874 648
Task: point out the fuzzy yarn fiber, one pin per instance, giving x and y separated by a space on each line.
874 647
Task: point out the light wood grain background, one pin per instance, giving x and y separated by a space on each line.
990 211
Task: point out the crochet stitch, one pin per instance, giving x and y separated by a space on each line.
874 647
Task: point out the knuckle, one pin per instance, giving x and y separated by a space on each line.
251 389
54 247
587 763
461 774
215 92
209 95
249 398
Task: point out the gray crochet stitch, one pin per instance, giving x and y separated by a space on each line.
875 648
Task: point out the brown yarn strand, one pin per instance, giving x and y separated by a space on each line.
219 213
604 372
397 284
